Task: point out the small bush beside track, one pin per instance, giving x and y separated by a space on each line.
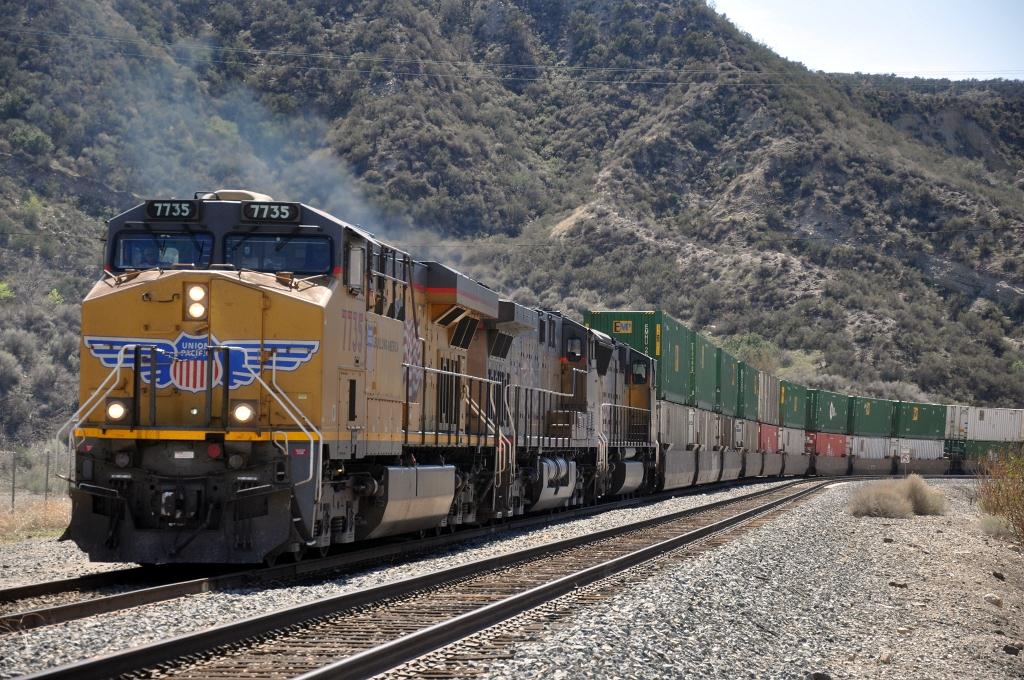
1001 491
897 498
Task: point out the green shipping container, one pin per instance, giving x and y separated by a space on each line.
827 411
792 404
871 417
920 421
728 383
705 373
657 335
749 378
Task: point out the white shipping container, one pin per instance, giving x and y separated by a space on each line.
870 447
767 398
918 449
791 440
984 424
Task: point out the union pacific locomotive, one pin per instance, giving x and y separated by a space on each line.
261 379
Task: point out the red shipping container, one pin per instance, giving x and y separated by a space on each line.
768 438
825 444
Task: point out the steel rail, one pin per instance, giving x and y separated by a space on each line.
45 616
163 651
407 648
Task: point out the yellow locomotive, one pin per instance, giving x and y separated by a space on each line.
259 378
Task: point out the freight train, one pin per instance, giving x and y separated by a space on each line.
260 379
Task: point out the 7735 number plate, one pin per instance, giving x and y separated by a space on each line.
262 211
172 210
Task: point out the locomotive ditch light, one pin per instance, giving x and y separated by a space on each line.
117 410
197 293
196 300
243 412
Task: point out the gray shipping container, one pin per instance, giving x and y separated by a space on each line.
918 449
674 425
870 447
984 424
768 399
704 429
791 440
745 438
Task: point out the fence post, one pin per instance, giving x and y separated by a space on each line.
46 479
14 474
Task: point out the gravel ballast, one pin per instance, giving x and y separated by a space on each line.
813 591
23 652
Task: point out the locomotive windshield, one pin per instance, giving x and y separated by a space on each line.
157 249
279 253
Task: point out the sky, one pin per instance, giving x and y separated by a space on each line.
955 39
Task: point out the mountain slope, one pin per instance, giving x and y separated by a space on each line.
867 230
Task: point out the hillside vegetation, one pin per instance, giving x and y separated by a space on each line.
855 232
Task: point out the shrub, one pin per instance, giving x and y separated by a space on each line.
1001 491
880 499
926 500
897 498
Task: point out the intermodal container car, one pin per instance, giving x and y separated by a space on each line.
827 411
767 398
749 382
984 424
705 373
915 420
793 405
657 335
871 417
728 383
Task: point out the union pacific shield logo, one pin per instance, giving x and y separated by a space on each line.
189 366
183 363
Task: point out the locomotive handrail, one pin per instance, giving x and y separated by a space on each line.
273 378
539 390
623 407
438 371
90 403
316 452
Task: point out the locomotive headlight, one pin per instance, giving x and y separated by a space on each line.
123 459
116 410
196 310
243 412
197 293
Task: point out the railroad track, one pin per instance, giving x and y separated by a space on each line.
43 604
360 634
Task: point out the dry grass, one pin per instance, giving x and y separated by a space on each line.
997 526
898 498
1001 491
33 519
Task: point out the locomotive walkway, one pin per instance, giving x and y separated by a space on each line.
371 631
